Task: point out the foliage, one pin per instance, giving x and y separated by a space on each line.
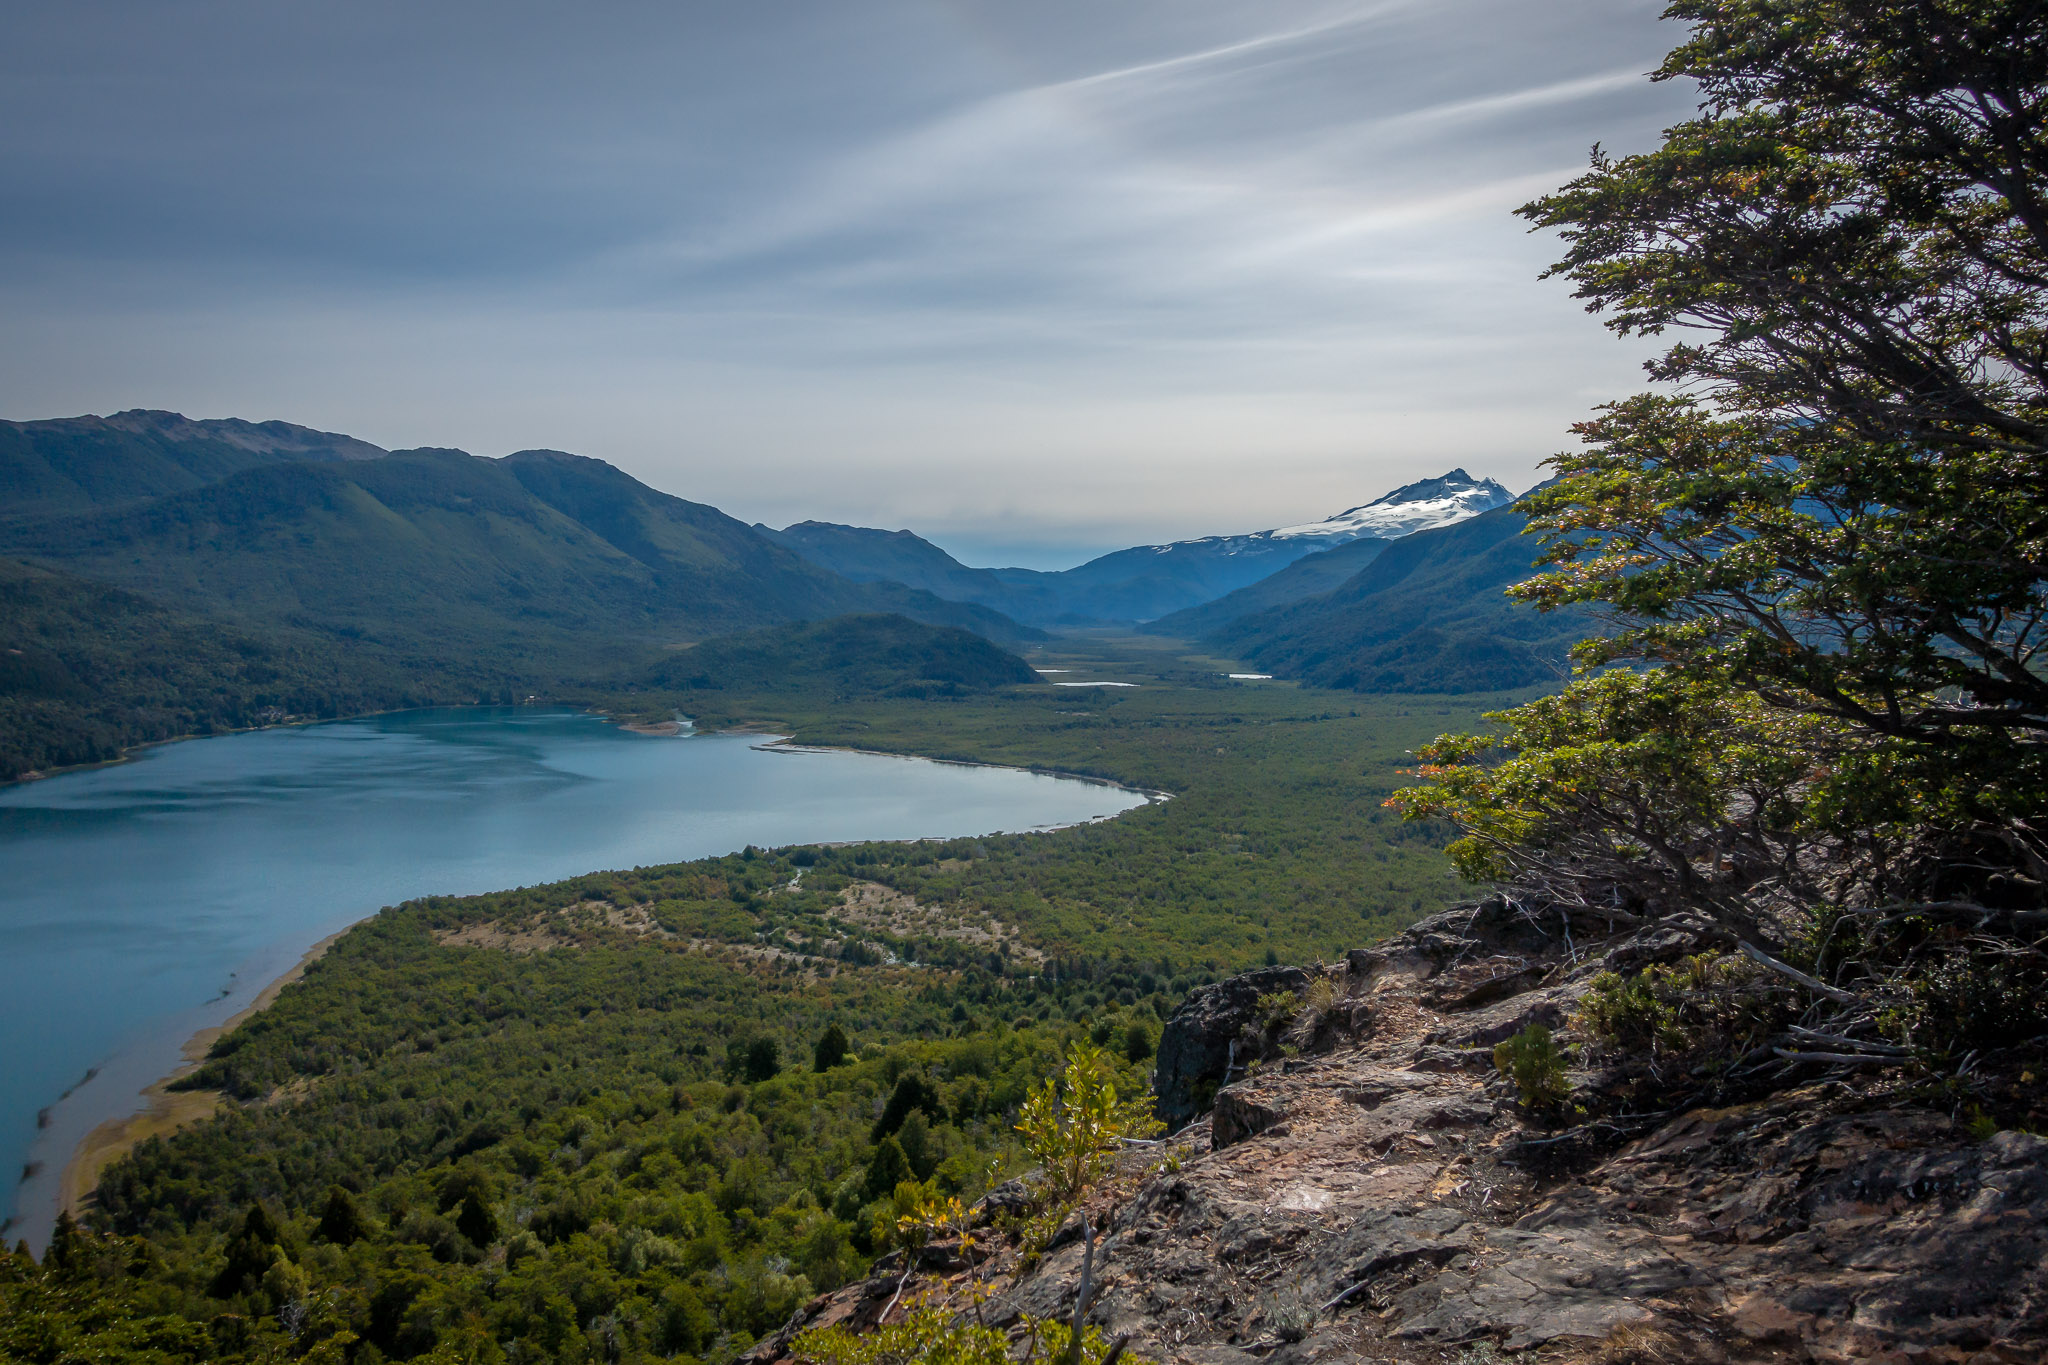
1824 543
1075 1124
933 1335
1832 545
1704 1010
927 1335
1634 789
1275 836
457 1148
831 1049
1532 1060
1843 514
872 655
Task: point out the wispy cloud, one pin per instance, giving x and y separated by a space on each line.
995 267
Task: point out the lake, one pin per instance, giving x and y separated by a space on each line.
142 902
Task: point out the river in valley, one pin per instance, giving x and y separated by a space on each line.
142 902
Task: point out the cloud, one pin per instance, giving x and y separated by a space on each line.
1052 274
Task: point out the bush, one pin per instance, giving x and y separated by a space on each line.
1532 1060
1075 1124
1705 1010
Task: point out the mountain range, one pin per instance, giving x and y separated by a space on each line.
163 574
434 554
74 464
1429 613
1145 582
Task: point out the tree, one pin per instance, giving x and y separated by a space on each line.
1847 510
475 1220
1824 547
1075 1123
763 1059
832 1049
341 1222
887 1169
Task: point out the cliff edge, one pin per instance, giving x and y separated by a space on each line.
1363 1183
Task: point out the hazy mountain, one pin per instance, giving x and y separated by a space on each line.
1150 581
1146 581
74 463
870 556
1307 577
868 655
1429 614
537 563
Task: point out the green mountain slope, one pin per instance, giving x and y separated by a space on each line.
86 670
538 565
72 464
866 555
1428 615
1303 579
850 656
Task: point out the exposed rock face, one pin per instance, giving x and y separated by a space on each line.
1241 1113
1206 1035
1386 1200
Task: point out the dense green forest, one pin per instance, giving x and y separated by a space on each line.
87 670
848 656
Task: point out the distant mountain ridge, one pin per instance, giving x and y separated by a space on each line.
1429 614
1145 582
538 561
74 464
1419 506
1309 576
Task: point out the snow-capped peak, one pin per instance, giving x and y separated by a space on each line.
1415 507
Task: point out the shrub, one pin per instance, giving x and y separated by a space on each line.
1532 1060
931 1336
1075 1123
1704 1009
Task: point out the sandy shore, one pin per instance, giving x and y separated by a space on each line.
166 1110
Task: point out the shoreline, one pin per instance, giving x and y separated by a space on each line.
1152 795
164 1110
129 751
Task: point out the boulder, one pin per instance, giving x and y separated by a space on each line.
1203 1036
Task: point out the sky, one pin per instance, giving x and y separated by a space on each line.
1036 279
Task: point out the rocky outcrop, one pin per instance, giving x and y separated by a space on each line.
1386 1199
1211 1034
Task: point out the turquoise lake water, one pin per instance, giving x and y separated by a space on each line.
142 902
